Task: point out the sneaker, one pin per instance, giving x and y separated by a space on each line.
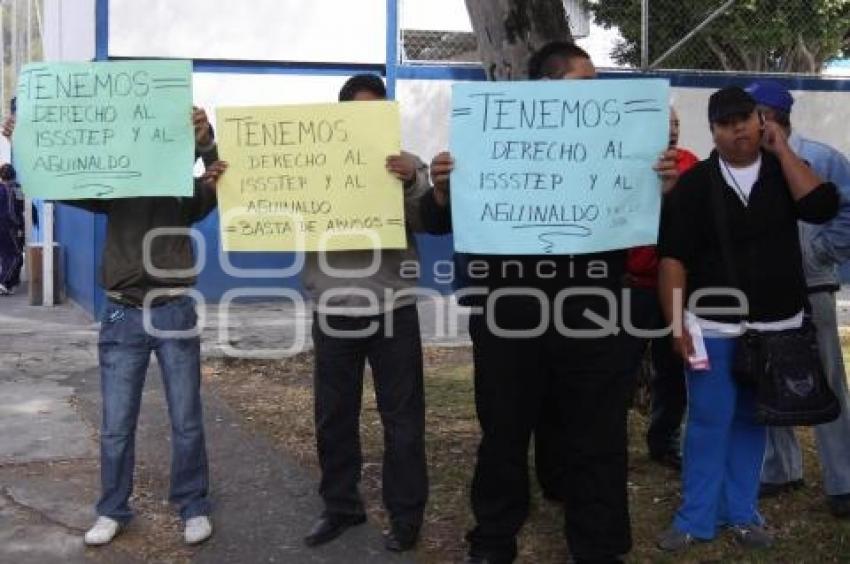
198 529
752 536
4 291
102 532
839 506
674 540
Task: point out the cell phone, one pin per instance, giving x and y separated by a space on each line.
13 105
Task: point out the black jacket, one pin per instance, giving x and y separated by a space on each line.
763 235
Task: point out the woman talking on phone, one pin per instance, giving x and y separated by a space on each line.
731 262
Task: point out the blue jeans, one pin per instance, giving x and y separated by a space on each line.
723 449
125 350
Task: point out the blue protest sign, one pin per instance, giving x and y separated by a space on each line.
557 167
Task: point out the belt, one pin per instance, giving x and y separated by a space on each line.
131 301
829 288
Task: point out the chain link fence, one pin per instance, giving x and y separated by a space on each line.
428 46
773 36
770 36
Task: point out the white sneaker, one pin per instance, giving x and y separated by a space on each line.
103 531
198 529
4 291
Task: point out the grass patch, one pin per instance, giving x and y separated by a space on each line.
276 399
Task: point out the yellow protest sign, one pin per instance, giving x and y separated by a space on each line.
310 177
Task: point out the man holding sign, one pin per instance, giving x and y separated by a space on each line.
106 129
538 334
366 310
310 177
150 310
125 344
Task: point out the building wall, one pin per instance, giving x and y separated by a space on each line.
239 62
315 31
76 231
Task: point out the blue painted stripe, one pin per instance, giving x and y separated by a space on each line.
392 48
101 30
719 80
428 72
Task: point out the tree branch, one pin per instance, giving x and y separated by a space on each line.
807 55
718 52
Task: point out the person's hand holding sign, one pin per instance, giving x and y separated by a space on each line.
209 179
9 126
203 130
667 170
403 167
441 170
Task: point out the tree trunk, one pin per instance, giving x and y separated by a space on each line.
509 31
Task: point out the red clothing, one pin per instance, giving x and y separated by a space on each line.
642 262
685 160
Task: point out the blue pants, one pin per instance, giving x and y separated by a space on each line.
125 350
723 449
11 257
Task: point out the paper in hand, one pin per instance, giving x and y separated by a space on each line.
699 359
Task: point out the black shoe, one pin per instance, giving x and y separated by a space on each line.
401 538
553 497
839 506
670 459
330 526
768 489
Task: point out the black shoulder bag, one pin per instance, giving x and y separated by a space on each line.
784 366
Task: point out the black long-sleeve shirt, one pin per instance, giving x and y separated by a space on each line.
763 235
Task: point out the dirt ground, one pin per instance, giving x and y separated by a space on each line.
275 399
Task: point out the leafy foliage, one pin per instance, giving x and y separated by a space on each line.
753 35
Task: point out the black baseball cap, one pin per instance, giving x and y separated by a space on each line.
728 102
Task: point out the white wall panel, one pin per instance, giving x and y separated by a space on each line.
69 30
327 31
